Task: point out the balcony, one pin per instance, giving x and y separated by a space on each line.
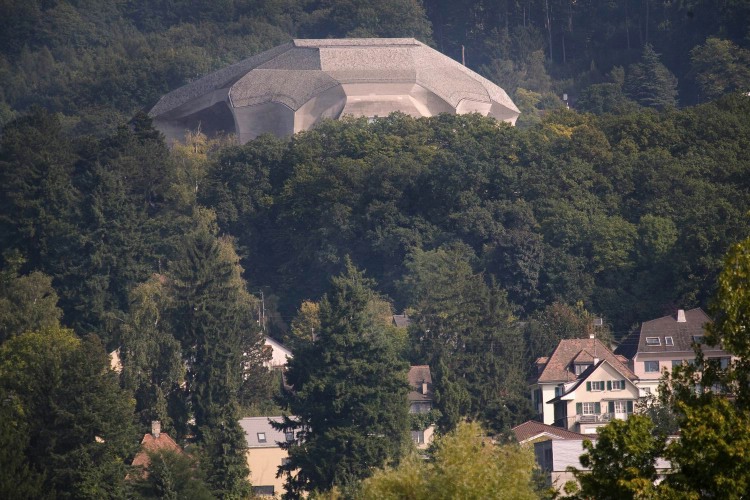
601 418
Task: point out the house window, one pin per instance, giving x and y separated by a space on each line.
589 409
618 385
724 363
597 386
676 363
668 341
622 407
289 436
417 437
651 366
653 341
264 491
579 368
698 339
261 437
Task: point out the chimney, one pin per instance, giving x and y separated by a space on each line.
156 428
424 387
681 316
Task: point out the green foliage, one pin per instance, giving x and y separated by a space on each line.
622 462
720 66
76 420
464 464
349 393
172 475
650 83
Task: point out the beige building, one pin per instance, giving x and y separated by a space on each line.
666 342
421 397
264 455
292 87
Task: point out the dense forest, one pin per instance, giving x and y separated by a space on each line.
619 202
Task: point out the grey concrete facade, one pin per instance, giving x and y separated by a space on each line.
292 87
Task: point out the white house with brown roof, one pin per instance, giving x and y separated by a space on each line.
531 432
666 342
582 385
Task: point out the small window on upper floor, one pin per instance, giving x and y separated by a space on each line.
651 366
653 341
698 339
289 436
261 437
579 368
668 341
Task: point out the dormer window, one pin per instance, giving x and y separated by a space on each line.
653 341
668 341
698 339
579 368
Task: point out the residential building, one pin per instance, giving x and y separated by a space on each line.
264 455
666 342
421 397
532 432
154 442
562 376
401 320
279 354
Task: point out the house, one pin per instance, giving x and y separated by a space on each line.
582 385
420 401
154 442
531 432
401 320
554 456
663 343
279 354
294 86
264 455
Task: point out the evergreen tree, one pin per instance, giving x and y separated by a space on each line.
77 421
212 319
349 393
650 83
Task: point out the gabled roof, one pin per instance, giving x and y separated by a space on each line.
401 320
626 374
532 429
152 443
418 375
558 367
657 330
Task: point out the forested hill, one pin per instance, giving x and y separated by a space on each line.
98 62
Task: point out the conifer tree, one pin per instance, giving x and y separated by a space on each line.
349 393
212 320
650 83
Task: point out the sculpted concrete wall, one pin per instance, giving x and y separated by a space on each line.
292 87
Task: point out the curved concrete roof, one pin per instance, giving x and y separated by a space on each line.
291 87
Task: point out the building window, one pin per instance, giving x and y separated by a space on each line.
579 368
289 436
676 363
698 339
618 385
597 386
420 407
622 407
651 366
724 363
261 437
285 461
417 437
589 408
668 341
653 341
264 491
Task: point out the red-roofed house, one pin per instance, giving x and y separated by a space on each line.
151 443
531 432
582 385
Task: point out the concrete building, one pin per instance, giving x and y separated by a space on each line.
292 87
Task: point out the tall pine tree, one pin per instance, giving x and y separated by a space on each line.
349 393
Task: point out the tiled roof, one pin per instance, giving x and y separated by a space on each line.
401 320
531 429
150 444
558 367
659 331
417 375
